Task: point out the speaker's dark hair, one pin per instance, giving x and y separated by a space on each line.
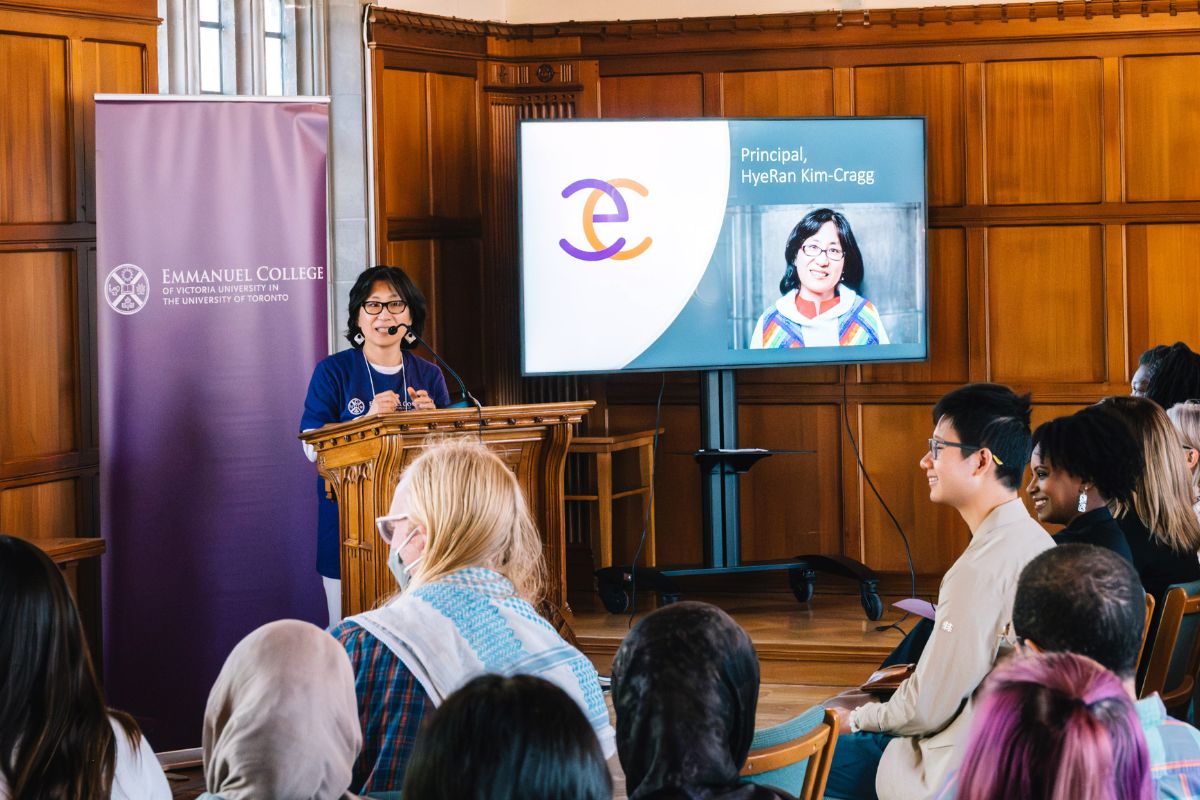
402 284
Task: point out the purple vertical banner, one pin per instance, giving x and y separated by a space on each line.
211 313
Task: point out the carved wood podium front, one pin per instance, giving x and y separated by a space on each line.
361 462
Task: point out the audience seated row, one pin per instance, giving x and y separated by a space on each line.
1115 474
456 687
1059 729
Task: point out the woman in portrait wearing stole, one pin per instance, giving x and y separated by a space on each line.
820 306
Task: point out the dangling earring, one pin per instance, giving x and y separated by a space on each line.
1083 500
359 338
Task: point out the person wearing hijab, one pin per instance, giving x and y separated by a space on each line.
282 719
685 689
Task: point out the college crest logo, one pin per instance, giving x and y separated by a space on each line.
126 289
356 406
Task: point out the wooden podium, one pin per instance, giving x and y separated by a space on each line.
361 462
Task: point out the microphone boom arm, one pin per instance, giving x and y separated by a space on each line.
468 399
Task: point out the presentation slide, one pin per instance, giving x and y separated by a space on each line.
714 244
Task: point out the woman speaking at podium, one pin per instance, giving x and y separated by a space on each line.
376 376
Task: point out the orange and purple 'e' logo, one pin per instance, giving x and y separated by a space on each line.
600 251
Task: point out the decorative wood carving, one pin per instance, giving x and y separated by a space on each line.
531 439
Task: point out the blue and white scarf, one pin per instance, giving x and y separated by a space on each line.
471 622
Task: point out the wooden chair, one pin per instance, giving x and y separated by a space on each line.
795 755
1145 629
553 614
1175 657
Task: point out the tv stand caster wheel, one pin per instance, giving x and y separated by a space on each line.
613 596
803 582
869 594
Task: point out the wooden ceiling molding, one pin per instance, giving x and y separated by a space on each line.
143 11
825 29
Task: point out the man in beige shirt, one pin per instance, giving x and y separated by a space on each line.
905 748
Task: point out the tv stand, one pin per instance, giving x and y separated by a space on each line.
721 462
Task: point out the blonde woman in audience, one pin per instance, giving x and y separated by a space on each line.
1162 530
281 720
1185 417
57 737
468 558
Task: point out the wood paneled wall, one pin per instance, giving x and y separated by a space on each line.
54 57
1065 220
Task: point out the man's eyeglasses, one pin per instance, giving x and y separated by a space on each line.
374 307
936 444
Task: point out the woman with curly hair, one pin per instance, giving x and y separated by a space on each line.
1080 463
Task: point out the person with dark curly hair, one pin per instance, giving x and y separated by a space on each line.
1148 362
820 306
1079 464
1176 378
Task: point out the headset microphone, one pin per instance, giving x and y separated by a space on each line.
409 336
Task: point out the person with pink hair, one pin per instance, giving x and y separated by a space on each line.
1054 726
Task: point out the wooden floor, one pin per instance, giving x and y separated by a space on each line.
827 643
807 654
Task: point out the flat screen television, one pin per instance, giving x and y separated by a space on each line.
715 244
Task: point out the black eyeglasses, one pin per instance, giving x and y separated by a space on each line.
374 307
936 444
812 250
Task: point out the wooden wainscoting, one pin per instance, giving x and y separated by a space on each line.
54 56
1065 214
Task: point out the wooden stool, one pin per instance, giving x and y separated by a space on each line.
603 447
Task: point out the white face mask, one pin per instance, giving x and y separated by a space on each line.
401 571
